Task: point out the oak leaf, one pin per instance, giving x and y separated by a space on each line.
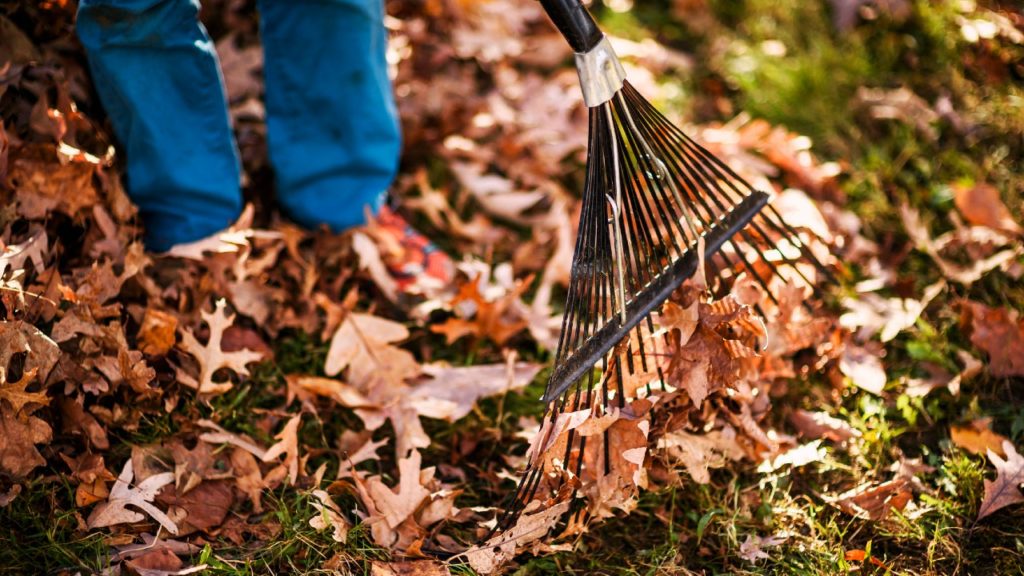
141 496
287 444
978 438
15 393
450 392
211 357
1005 489
1000 333
363 343
19 433
329 516
157 333
387 507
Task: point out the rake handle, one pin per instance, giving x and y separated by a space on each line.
575 23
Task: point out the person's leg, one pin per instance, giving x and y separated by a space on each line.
333 130
156 72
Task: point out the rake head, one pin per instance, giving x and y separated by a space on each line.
656 209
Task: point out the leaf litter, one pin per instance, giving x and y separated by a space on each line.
117 334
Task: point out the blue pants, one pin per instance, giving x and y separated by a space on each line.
333 132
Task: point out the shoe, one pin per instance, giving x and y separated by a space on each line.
415 262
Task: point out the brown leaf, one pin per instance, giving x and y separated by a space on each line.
75 419
203 508
1005 489
416 568
387 507
211 357
157 333
329 516
864 368
248 478
532 525
15 394
451 392
978 438
872 501
44 184
33 250
18 337
287 444
483 318
363 343
19 433
123 494
820 425
1000 333
981 205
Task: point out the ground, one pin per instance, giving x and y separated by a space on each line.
901 122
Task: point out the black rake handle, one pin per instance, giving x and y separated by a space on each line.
574 22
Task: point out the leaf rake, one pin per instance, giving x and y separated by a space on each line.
656 207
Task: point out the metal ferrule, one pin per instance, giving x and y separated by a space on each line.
601 73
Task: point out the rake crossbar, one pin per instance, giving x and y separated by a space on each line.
650 297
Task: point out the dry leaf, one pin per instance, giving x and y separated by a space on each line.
363 343
211 357
329 516
752 549
450 393
821 425
1005 489
416 568
19 433
141 496
981 205
1000 333
157 333
15 393
864 368
978 438
532 525
387 508
287 444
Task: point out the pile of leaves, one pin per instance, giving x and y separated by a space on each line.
122 371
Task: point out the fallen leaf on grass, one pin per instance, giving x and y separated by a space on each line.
211 357
388 508
978 438
141 496
1005 489
795 457
287 444
872 501
821 425
1000 333
489 556
699 452
416 568
968 274
329 516
451 392
981 205
864 368
753 547
363 343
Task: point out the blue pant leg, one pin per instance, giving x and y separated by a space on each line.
333 131
158 78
